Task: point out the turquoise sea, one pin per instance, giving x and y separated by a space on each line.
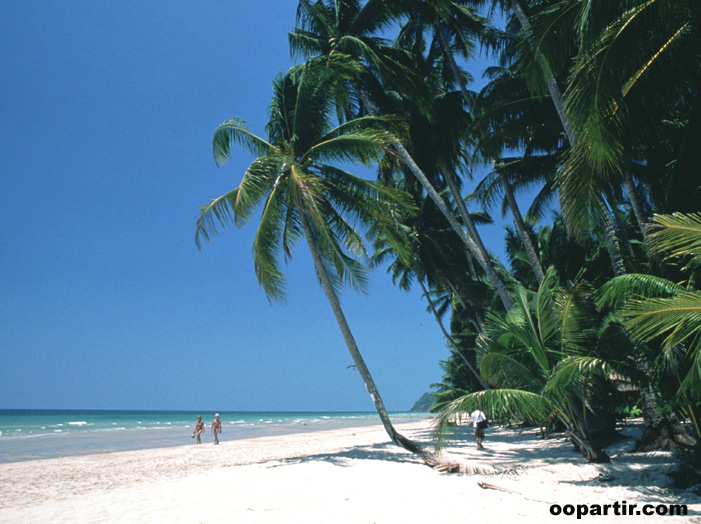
42 434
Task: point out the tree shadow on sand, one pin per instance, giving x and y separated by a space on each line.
385 451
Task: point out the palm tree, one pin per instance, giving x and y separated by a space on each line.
456 29
666 316
539 356
345 24
428 253
635 65
580 207
636 59
303 195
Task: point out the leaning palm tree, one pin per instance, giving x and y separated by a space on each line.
456 28
344 26
303 195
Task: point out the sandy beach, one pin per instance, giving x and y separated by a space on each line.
351 475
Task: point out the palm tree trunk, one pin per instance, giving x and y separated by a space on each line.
508 190
358 360
661 429
553 88
449 338
559 103
635 203
455 292
467 239
521 228
469 223
612 244
450 216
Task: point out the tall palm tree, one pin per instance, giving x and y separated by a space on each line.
457 29
581 207
345 24
303 195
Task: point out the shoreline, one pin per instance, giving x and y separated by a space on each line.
99 441
344 475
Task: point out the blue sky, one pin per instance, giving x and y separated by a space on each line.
106 115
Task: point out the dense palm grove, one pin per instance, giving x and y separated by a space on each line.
592 108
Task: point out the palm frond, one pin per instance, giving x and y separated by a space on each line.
691 385
509 403
678 234
504 371
235 132
576 371
332 234
678 319
217 213
361 147
618 290
267 242
236 205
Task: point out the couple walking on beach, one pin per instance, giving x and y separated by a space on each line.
199 429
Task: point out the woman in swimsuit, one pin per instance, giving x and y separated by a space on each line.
199 429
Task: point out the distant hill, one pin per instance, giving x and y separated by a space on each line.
423 404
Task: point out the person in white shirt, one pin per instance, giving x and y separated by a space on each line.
479 422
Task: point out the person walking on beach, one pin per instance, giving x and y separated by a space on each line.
479 422
216 428
199 429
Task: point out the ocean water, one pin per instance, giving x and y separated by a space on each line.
42 434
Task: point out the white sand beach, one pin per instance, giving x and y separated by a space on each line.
351 475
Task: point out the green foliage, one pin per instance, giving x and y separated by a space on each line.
292 181
628 132
630 409
663 312
424 403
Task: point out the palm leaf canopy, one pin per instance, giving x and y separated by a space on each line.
293 180
328 27
637 60
660 310
678 234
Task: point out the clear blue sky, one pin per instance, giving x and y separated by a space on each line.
106 115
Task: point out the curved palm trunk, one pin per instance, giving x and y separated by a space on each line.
327 286
468 239
553 88
447 336
521 228
449 215
467 220
508 190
